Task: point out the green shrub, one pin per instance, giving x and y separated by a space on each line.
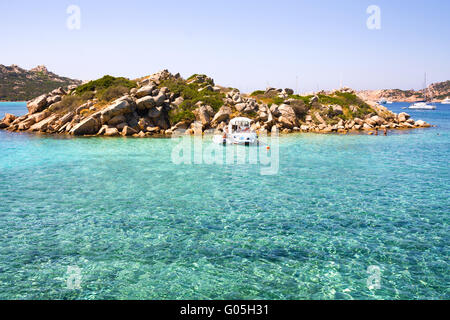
363 110
326 99
331 113
88 95
278 100
192 77
105 88
305 99
68 103
191 97
271 97
257 93
113 93
178 115
251 115
300 108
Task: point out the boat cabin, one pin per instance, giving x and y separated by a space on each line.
238 125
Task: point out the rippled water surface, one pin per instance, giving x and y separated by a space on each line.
137 226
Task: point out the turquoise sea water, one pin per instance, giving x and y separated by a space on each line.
140 227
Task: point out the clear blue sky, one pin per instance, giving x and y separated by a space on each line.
246 44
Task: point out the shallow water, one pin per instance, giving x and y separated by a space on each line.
140 227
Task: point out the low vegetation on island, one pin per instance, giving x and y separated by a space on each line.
163 103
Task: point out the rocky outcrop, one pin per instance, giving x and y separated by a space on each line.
223 115
403 117
44 101
119 107
38 104
127 131
287 118
146 102
43 124
204 114
88 126
7 120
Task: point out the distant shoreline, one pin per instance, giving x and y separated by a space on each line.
13 101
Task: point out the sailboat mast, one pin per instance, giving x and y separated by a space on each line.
425 87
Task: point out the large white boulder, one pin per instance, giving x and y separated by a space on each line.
86 127
223 114
119 107
402 117
145 103
145 91
38 104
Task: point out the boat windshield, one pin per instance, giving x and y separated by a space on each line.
241 126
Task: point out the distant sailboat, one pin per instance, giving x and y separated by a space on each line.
427 103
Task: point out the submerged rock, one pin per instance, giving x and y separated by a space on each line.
111 132
127 131
421 123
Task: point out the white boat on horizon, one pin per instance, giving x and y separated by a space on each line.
238 132
446 101
426 104
422 106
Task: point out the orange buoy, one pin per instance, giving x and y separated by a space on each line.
268 148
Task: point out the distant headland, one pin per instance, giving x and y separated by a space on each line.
17 84
438 91
162 103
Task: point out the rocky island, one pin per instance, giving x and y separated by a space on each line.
163 103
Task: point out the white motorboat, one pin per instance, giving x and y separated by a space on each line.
422 106
446 101
427 103
238 132
382 101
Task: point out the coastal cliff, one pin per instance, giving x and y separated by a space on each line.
163 103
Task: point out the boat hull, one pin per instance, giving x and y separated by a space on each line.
422 106
238 139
